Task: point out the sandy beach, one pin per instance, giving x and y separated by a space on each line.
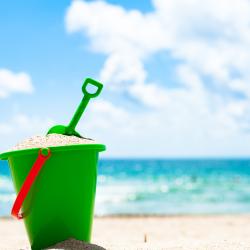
151 233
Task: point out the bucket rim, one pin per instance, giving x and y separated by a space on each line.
97 147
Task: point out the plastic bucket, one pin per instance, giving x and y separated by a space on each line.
60 203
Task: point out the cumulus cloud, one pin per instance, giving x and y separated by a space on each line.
208 43
11 82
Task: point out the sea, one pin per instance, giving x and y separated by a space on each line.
161 187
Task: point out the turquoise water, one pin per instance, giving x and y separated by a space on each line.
162 187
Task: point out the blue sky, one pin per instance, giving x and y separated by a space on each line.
175 74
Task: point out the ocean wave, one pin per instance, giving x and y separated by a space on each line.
163 187
186 194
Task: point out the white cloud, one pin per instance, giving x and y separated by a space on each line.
209 44
113 28
126 41
14 82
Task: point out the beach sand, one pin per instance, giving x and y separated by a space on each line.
220 232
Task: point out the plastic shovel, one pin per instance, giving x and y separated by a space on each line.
70 129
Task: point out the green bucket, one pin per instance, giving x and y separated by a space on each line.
60 203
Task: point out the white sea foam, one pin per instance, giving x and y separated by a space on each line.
7 197
6 184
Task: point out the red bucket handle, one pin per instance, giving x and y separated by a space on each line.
43 156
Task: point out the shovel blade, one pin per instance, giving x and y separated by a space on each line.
58 129
63 130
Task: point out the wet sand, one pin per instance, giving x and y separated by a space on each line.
231 232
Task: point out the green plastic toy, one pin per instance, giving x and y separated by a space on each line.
60 204
70 129
56 186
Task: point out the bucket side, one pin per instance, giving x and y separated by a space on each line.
60 204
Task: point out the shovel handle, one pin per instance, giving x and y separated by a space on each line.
87 96
90 81
43 156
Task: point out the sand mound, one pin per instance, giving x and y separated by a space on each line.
72 244
50 141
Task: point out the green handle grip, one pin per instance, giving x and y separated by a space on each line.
87 96
90 81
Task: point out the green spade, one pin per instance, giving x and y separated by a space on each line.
70 129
